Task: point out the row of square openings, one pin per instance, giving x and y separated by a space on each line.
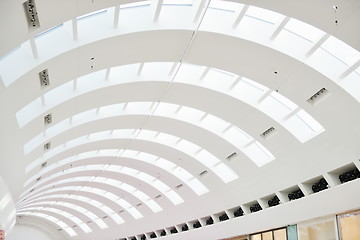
338 176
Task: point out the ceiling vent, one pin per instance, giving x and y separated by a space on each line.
44 78
47 146
38 179
231 156
48 119
268 133
139 204
318 96
105 217
158 196
179 186
32 190
203 173
31 13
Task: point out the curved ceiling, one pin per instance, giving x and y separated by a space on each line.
121 118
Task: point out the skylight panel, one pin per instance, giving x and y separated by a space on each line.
156 71
85 227
165 109
236 136
218 79
28 113
178 2
190 114
129 171
89 81
153 205
299 128
147 157
263 14
187 147
207 158
214 123
111 196
124 203
310 121
138 107
189 73
226 173
283 100
135 4
160 185
274 108
304 30
165 164
146 177
225 5
166 139
141 195
128 187
92 14
115 217
111 110
258 154
248 90
135 213
341 50
197 186
174 197
182 173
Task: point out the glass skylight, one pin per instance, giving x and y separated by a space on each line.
341 50
263 14
136 4
304 30
92 14
178 2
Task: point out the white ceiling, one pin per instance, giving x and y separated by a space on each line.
145 97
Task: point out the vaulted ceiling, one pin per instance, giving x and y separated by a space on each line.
124 118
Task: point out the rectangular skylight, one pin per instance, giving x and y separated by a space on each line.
190 114
274 108
178 2
248 90
214 123
165 164
225 5
236 136
341 50
85 227
153 205
263 14
166 138
156 71
189 73
127 187
207 158
225 172
138 107
197 186
218 80
117 218
304 30
135 213
182 173
258 154
310 121
146 177
92 14
129 171
160 185
136 4
174 197
165 109
187 147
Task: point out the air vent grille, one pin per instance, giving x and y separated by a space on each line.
31 13
318 96
44 78
38 179
203 173
268 133
231 156
47 146
43 164
179 186
48 119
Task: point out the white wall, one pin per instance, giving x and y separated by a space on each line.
25 232
7 208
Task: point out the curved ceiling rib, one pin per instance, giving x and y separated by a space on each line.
54 220
270 102
80 219
60 204
189 179
314 47
111 185
118 169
